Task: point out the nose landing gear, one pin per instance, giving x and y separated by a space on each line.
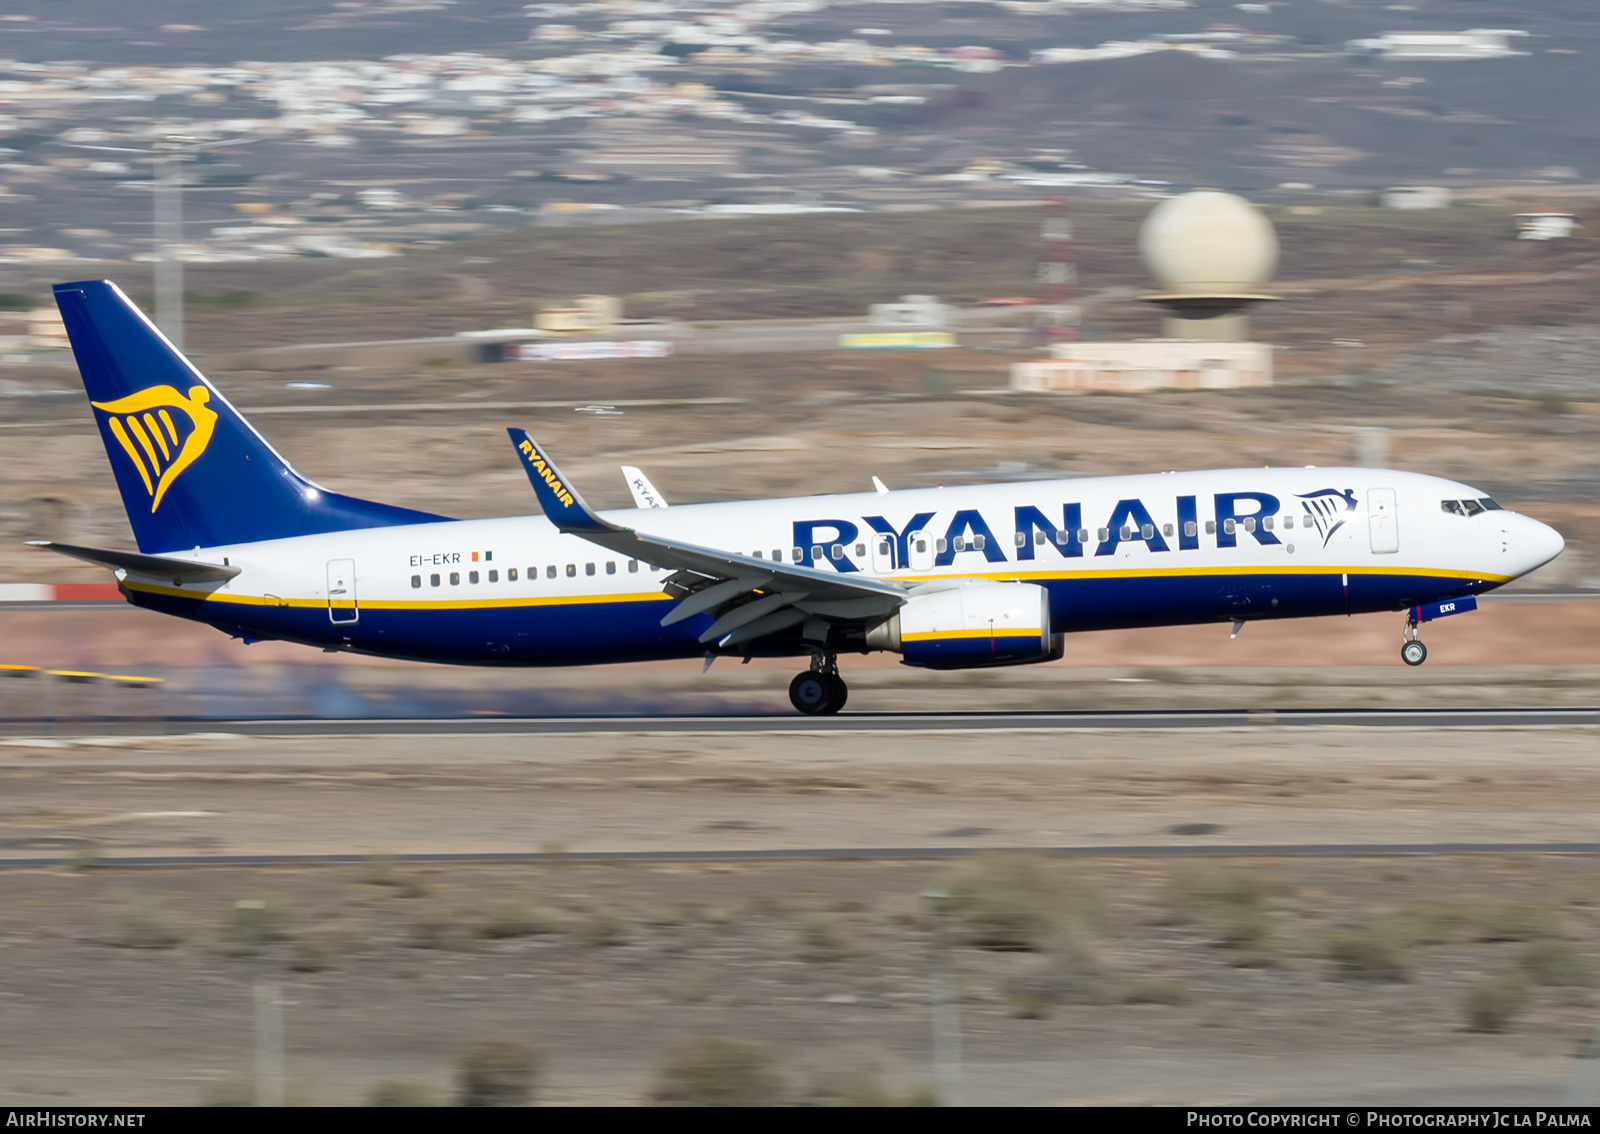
1412 651
819 691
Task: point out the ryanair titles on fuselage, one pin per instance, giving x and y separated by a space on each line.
1232 514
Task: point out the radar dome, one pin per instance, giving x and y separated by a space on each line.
1208 243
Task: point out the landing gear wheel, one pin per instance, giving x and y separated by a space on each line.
1414 652
816 694
841 692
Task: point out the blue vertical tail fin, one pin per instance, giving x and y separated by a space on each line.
192 471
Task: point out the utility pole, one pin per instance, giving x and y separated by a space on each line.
269 1043
167 155
943 1003
169 238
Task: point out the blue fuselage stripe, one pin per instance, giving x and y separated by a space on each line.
580 633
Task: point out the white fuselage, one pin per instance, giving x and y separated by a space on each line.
1112 551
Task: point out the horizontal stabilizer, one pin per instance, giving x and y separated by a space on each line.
151 566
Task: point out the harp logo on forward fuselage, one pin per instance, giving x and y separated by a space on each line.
162 431
1328 509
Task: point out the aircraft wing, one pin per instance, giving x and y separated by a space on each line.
750 598
151 566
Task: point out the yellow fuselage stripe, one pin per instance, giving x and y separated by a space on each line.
657 596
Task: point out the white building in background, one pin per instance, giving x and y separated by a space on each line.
1474 43
911 311
1417 197
1545 225
1147 364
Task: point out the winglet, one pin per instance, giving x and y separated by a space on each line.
560 501
644 493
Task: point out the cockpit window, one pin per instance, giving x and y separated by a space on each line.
1469 507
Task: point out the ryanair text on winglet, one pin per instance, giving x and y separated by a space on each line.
542 467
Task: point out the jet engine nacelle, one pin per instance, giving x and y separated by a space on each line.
979 624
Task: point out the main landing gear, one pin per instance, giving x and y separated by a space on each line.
1412 651
819 691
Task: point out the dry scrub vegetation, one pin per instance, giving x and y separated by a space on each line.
744 985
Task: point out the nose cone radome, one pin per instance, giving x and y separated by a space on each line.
1532 544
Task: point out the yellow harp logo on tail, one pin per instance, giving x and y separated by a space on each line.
159 446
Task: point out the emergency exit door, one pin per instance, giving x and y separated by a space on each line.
342 591
1382 522
882 554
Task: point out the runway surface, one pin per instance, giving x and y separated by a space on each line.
813 854
844 722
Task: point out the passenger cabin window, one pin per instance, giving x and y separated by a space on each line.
942 545
433 580
1083 535
1166 530
777 555
979 541
550 571
796 554
836 552
588 568
1146 531
1267 523
1229 526
1189 528
1125 532
961 543
455 578
511 575
416 580
472 577
572 570
1103 535
1249 523
611 567
861 549
494 576
633 566
755 555
1288 521
1211 527
816 552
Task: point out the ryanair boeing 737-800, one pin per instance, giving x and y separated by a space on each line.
949 578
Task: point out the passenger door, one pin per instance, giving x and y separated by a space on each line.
1382 522
342 607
